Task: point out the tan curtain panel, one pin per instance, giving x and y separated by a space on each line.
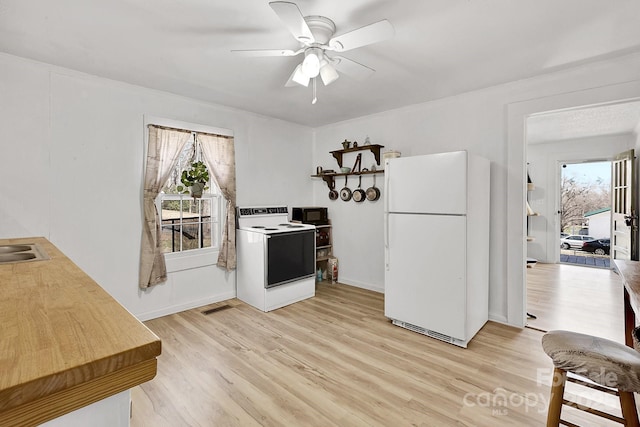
165 145
219 155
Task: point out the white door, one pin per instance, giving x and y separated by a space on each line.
425 275
624 224
434 183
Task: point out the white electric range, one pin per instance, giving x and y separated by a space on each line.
276 258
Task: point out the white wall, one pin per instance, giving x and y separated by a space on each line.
71 171
545 160
478 122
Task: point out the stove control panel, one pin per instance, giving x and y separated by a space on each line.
273 210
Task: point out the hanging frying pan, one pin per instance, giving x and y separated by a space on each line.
345 193
333 194
358 193
373 193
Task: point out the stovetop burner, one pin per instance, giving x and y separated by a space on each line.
257 226
270 229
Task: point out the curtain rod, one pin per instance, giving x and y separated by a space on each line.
189 131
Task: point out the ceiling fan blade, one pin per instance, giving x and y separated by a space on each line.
267 52
351 68
372 33
294 20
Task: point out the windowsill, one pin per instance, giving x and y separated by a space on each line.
187 260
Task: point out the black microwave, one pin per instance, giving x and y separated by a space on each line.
310 215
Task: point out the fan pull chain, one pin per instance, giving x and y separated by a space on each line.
315 99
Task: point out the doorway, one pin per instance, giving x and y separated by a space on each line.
585 213
572 194
517 123
565 291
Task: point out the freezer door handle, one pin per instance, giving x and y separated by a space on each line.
387 172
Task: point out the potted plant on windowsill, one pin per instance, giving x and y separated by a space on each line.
195 179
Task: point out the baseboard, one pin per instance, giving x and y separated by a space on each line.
165 311
361 285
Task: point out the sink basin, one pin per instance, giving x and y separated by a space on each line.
22 256
21 253
7 249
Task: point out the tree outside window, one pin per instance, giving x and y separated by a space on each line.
584 187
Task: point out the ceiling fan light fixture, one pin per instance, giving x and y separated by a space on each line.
328 74
311 63
300 77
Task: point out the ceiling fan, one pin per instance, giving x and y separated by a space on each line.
316 36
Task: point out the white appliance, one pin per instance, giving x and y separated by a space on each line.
276 258
437 244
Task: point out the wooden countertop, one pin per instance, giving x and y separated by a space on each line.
630 274
64 341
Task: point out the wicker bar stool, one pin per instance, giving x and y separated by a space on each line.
614 367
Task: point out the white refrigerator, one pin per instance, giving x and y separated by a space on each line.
437 244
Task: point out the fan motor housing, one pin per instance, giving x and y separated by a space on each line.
321 27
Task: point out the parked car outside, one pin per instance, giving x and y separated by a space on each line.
563 235
574 241
598 246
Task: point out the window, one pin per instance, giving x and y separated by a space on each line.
187 223
190 233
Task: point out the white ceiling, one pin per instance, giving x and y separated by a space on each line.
611 119
441 47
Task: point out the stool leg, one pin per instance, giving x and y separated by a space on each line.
557 394
628 405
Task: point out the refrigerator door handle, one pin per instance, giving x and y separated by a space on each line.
386 240
386 214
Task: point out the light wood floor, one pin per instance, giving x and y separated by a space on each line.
335 360
581 299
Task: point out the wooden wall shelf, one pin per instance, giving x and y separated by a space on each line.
329 178
374 148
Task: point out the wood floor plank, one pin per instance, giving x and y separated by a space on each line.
335 360
575 298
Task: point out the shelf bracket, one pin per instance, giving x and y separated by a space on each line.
329 180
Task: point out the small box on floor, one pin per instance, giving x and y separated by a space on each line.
332 269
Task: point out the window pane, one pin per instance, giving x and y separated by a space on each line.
205 208
187 156
207 236
190 234
170 209
168 240
187 223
